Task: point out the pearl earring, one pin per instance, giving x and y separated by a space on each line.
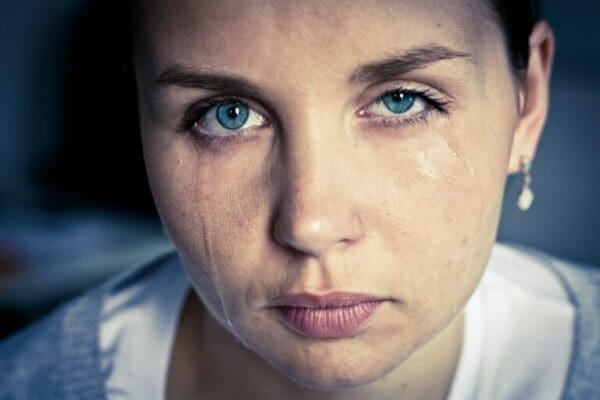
525 198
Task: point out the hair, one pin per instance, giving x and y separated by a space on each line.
516 19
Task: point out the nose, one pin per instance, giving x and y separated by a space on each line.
318 206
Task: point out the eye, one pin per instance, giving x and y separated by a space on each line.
402 107
398 103
224 118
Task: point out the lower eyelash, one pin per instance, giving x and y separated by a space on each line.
422 117
216 140
221 141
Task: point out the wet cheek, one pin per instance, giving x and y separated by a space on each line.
461 213
432 218
434 188
210 210
225 220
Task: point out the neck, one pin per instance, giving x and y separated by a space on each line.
208 362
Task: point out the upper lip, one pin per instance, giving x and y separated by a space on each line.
329 300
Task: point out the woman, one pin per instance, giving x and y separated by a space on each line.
331 175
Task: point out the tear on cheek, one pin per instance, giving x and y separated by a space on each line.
433 156
426 165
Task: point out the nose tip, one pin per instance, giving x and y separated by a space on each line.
318 206
314 232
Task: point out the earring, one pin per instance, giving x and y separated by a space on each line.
525 198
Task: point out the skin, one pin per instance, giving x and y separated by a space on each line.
324 197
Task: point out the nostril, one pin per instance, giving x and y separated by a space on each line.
287 234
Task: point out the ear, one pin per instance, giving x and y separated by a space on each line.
533 96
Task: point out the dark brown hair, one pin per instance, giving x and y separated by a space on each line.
516 19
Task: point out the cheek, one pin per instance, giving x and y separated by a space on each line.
210 204
440 211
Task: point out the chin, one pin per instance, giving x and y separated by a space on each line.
336 378
332 363
329 366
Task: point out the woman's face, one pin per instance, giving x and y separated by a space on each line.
327 148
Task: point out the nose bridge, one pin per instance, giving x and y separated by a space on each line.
311 151
317 209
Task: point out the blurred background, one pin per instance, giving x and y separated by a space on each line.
74 204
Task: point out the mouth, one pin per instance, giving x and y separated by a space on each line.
335 315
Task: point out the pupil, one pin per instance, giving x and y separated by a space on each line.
234 112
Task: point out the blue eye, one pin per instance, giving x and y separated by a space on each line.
221 117
399 102
401 105
232 116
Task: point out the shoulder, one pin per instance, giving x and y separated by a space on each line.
574 283
546 275
582 284
57 357
46 355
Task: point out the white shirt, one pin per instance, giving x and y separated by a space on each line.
517 337
137 329
518 332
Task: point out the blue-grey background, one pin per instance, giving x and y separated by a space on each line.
74 206
565 219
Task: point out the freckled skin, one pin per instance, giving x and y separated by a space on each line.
317 202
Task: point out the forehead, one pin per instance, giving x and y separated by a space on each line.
310 47
288 36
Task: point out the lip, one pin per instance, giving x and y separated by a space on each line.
334 315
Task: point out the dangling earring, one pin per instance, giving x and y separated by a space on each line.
526 194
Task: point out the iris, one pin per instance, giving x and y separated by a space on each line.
232 116
399 102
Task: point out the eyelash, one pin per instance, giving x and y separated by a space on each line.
200 109
432 101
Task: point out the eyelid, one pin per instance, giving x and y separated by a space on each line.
432 105
201 107
377 90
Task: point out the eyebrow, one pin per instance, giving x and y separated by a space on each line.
179 75
386 69
401 64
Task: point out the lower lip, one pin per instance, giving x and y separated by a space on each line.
331 322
